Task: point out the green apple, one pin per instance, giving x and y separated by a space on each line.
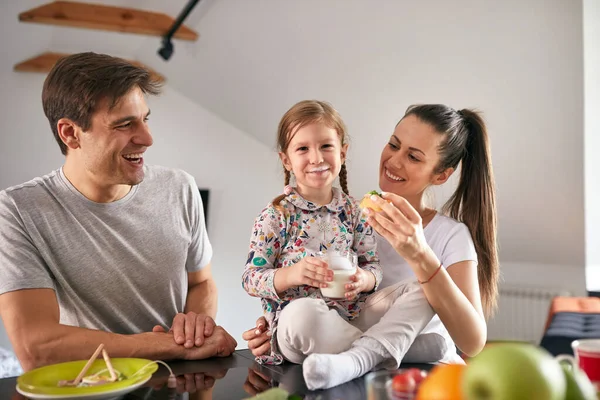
514 371
271 394
579 386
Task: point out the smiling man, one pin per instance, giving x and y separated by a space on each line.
106 249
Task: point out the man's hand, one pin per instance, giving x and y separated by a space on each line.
219 344
190 329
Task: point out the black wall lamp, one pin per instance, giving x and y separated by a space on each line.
166 51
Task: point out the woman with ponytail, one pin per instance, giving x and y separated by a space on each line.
451 254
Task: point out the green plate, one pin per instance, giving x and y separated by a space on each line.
42 383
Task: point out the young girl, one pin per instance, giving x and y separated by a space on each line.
284 266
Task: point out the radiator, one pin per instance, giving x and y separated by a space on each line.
522 313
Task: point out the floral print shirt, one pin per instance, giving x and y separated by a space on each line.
282 237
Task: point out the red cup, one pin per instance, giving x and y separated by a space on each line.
587 357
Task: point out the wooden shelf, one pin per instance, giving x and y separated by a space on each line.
43 63
109 18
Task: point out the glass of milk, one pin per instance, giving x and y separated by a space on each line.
343 264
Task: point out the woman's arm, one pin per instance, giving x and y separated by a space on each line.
465 322
454 295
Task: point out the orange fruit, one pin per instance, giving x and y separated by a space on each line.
443 383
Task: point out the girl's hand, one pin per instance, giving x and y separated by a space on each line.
362 281
400 224
311 271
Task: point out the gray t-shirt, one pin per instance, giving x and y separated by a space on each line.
119 267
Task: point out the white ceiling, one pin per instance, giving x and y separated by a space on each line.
519 61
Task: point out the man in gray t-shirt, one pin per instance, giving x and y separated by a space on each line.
106 249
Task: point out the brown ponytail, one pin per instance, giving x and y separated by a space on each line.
344 178
277 200
474 200
474 203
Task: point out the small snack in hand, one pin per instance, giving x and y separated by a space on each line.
366 201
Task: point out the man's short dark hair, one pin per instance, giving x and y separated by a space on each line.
78 83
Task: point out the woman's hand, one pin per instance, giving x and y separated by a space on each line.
311 271
256 382
399 223
259 338
362 281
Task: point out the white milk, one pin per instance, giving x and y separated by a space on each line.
342 270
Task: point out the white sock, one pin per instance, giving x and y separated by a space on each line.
323 371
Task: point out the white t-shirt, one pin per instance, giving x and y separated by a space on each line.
451 242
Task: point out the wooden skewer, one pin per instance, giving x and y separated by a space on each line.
88 365
113 375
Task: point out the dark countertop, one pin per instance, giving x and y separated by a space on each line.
232 377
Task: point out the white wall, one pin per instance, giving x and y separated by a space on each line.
591 37
242 174
518 61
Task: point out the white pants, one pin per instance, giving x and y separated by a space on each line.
393 316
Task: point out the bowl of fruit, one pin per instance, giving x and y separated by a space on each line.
399 384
